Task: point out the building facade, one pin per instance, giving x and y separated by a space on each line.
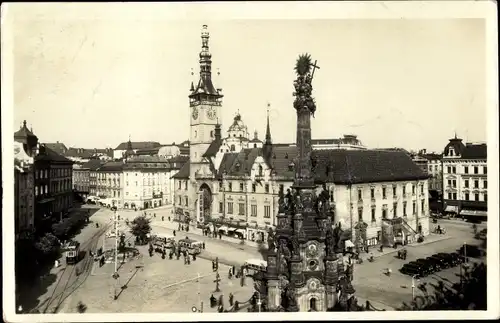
24 198
465 178
109 182
148 181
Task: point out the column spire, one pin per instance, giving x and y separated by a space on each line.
268 129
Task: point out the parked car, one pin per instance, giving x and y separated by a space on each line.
481 235
416 269
470 251
430 266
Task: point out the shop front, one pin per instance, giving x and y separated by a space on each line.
257 233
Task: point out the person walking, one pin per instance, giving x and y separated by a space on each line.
231 299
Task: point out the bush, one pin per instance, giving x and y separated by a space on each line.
47 248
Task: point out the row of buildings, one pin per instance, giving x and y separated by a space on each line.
458 177
42 184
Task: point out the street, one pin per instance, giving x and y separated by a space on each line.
48 296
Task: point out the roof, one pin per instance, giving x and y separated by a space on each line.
139 145
47 154
432 156
112 166
88 152
24 132
364 166
457 144
146 162
213 149
148 151
205 86
475 151
58 147
93 164
183 173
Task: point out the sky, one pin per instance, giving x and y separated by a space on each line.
92 80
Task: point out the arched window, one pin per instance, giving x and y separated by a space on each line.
254 145
261 170
233 148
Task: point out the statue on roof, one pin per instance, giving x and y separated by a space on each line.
303 86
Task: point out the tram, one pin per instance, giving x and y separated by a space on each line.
73 252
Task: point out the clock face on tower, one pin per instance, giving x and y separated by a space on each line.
211 113
195 113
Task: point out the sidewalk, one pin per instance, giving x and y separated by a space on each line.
377 305
431 238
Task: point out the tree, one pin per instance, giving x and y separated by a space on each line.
47 247
141 227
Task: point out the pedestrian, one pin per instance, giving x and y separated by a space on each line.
203 244
194 257
233 269
230 274
213 301
174 233
162 217
231 299
154 215
188 260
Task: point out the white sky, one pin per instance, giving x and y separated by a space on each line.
90 82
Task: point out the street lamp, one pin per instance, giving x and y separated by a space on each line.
115 274
413 288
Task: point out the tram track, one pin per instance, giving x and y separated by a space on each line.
68 272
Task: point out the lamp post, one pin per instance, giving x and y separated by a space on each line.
412 288
200 310
115 274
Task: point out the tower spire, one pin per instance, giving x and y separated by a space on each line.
268 129
205 84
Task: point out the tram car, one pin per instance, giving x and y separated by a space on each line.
161 241
72 252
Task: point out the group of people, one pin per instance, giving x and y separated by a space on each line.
208 233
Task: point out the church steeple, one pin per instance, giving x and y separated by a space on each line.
205 84
267 148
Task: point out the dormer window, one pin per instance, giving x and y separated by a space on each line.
451 152
233 148
261 170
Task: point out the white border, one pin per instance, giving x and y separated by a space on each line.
259 10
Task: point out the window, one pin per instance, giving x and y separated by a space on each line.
266 187
454 183
186 185
394 191
476 184
186 202
422 206
466 169
360 214
241 208
454 170
414 208
360 195
233 148
267 211
383 193
395 210
36 190
230 187
253 210
221 207
485 169
454 196
485 184
404 208
230 208
413 189
254 188
476 197
373 214
261 170
137 184
179 186
448 169
384 212
372 193
467 196
466 183
421 189
476 170
404 189
241 187
485 197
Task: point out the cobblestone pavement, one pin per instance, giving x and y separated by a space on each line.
66 279
154 284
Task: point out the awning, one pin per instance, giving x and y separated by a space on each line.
451 208
473 213
349 244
